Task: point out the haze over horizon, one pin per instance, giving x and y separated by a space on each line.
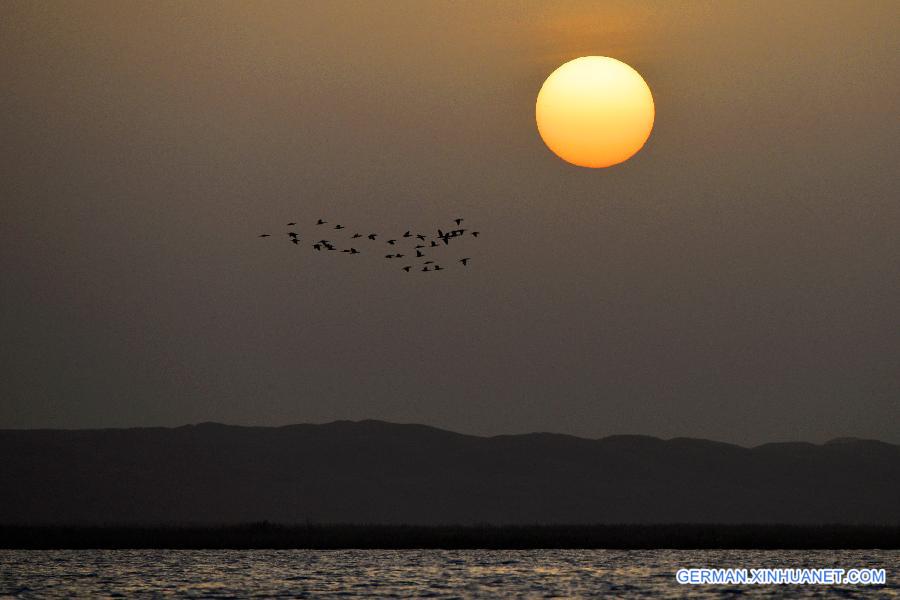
736 280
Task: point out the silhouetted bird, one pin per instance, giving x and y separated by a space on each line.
438 268
433 243
338 226
293 234
419 254
420 236
426 269
317 246
347 251
399 255
465 261
355 235
266 235
321 222
475 233
291 223
458 221
407 268
407 234
389 256
428 262
392 242
371 236
295 240
354 251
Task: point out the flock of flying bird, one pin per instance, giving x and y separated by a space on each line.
423 244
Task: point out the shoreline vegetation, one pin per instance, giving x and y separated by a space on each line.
266 535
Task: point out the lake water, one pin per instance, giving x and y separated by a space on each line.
416 573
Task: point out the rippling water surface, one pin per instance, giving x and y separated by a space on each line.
414 573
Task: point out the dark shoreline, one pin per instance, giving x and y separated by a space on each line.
345 536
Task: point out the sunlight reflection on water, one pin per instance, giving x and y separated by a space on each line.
414 573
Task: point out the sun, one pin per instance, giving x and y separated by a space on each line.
595 111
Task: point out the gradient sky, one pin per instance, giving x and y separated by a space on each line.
738 279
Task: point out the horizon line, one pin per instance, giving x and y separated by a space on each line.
829 442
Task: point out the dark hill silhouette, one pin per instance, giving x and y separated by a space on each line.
376 472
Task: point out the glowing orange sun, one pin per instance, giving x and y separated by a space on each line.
595 111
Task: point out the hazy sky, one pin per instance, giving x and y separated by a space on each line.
738 279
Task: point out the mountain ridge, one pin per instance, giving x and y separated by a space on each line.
343 422
379 472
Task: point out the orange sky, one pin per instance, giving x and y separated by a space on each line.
737 275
